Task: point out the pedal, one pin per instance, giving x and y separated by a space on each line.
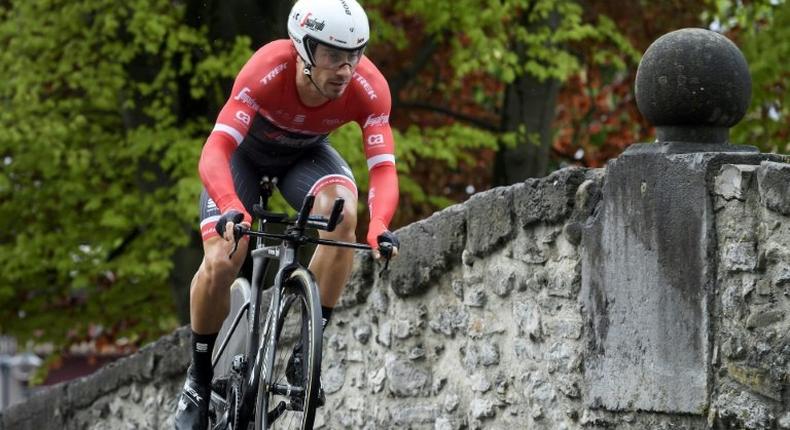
220 385
239 364
296 405
276 412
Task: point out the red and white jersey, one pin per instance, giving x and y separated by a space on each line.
264 108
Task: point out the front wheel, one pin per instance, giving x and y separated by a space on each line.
283 402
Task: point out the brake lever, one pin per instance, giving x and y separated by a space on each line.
386 251
238 232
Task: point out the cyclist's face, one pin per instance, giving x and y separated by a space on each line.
334 68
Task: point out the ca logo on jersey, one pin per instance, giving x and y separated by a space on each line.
244 117
375 139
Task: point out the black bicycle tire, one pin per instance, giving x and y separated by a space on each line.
302 284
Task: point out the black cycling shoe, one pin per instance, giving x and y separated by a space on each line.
192 411
294 373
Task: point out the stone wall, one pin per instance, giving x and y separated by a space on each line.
751 359
482 323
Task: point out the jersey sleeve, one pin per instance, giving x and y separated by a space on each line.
380 155
233 123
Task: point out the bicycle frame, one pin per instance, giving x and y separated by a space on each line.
287 254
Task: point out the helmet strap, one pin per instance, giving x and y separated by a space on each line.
308 70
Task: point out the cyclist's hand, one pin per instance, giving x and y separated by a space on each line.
388 245
227 221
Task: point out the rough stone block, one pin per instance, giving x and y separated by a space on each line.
406 379
765 317
407 415
734 180
489 220
359 285
758 380
548 199
429 248
44 410
740 257
333 378
482 408
773 181
449 320
362 333
735 408
526 317
782 277
645 274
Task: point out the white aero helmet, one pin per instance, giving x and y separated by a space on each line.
340 24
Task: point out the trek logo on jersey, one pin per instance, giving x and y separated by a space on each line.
375 140
273 73
332 121
374 120
366 86
312 23
244 117
244 97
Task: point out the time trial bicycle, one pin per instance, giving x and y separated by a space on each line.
252 385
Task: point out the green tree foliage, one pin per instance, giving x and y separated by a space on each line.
494 64
97 171
98 184
106 105
761 28
596 116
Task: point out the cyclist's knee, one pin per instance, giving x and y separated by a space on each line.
324 203
346 229
217 266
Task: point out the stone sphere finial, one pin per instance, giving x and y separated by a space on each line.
693 85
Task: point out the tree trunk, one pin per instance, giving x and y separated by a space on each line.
261 21
528 108
530 104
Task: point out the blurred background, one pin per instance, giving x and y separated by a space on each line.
105 105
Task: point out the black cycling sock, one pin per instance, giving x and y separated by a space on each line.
202 347
326 314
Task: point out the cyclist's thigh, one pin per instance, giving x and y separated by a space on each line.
317 168
246 181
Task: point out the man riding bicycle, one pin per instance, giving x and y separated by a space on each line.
285 101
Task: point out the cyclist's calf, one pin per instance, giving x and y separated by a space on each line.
332 265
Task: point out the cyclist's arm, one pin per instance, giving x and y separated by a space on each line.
382 199
233 123
380 154
215 170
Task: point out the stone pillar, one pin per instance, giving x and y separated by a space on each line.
648 266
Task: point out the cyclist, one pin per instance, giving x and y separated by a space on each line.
285 101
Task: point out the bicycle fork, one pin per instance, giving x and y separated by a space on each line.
258 373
